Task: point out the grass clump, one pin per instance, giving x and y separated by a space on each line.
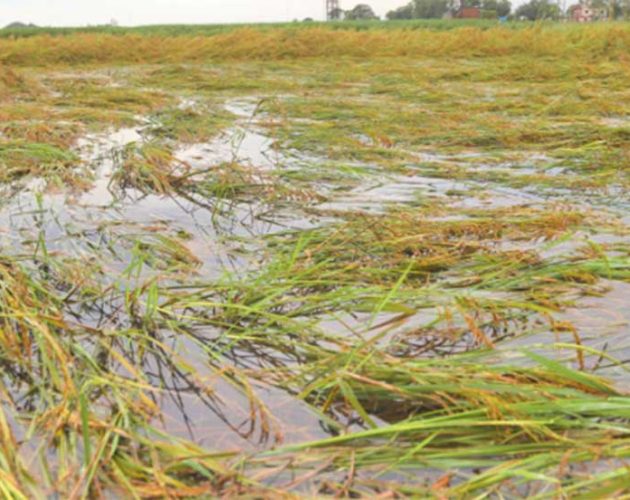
455 417
11 82
35 160
189 125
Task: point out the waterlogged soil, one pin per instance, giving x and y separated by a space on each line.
248 209
96 221
91 221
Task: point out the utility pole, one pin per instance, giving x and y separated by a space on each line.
332 9
562 6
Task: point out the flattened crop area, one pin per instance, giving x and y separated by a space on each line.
349 274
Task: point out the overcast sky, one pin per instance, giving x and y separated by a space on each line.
134 12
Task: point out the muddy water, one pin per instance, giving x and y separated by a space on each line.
227 242
601 325
60 216
224 242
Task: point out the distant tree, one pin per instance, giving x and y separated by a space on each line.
361 12
336 14
501 7
616 9
504 8
404 12
431 9
434 9
19 25
538 9
308 20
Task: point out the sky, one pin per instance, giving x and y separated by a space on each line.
137 12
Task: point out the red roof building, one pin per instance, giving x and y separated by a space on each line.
581 14
468 13
584 12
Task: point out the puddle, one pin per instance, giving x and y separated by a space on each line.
243 108
237 146
419 190
231 242
223 418
60 214
92 222
602 323
616 122
378 198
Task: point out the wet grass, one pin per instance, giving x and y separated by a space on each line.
216 29
312 276
250 43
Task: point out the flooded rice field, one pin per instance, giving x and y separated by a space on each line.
312 282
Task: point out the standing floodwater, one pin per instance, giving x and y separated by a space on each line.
337 263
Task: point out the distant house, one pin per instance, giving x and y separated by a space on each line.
584 12
580 14
468 13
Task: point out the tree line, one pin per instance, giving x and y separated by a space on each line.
437 9
532 10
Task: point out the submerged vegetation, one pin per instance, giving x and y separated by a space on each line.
315 262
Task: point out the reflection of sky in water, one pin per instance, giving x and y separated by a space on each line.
78 224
